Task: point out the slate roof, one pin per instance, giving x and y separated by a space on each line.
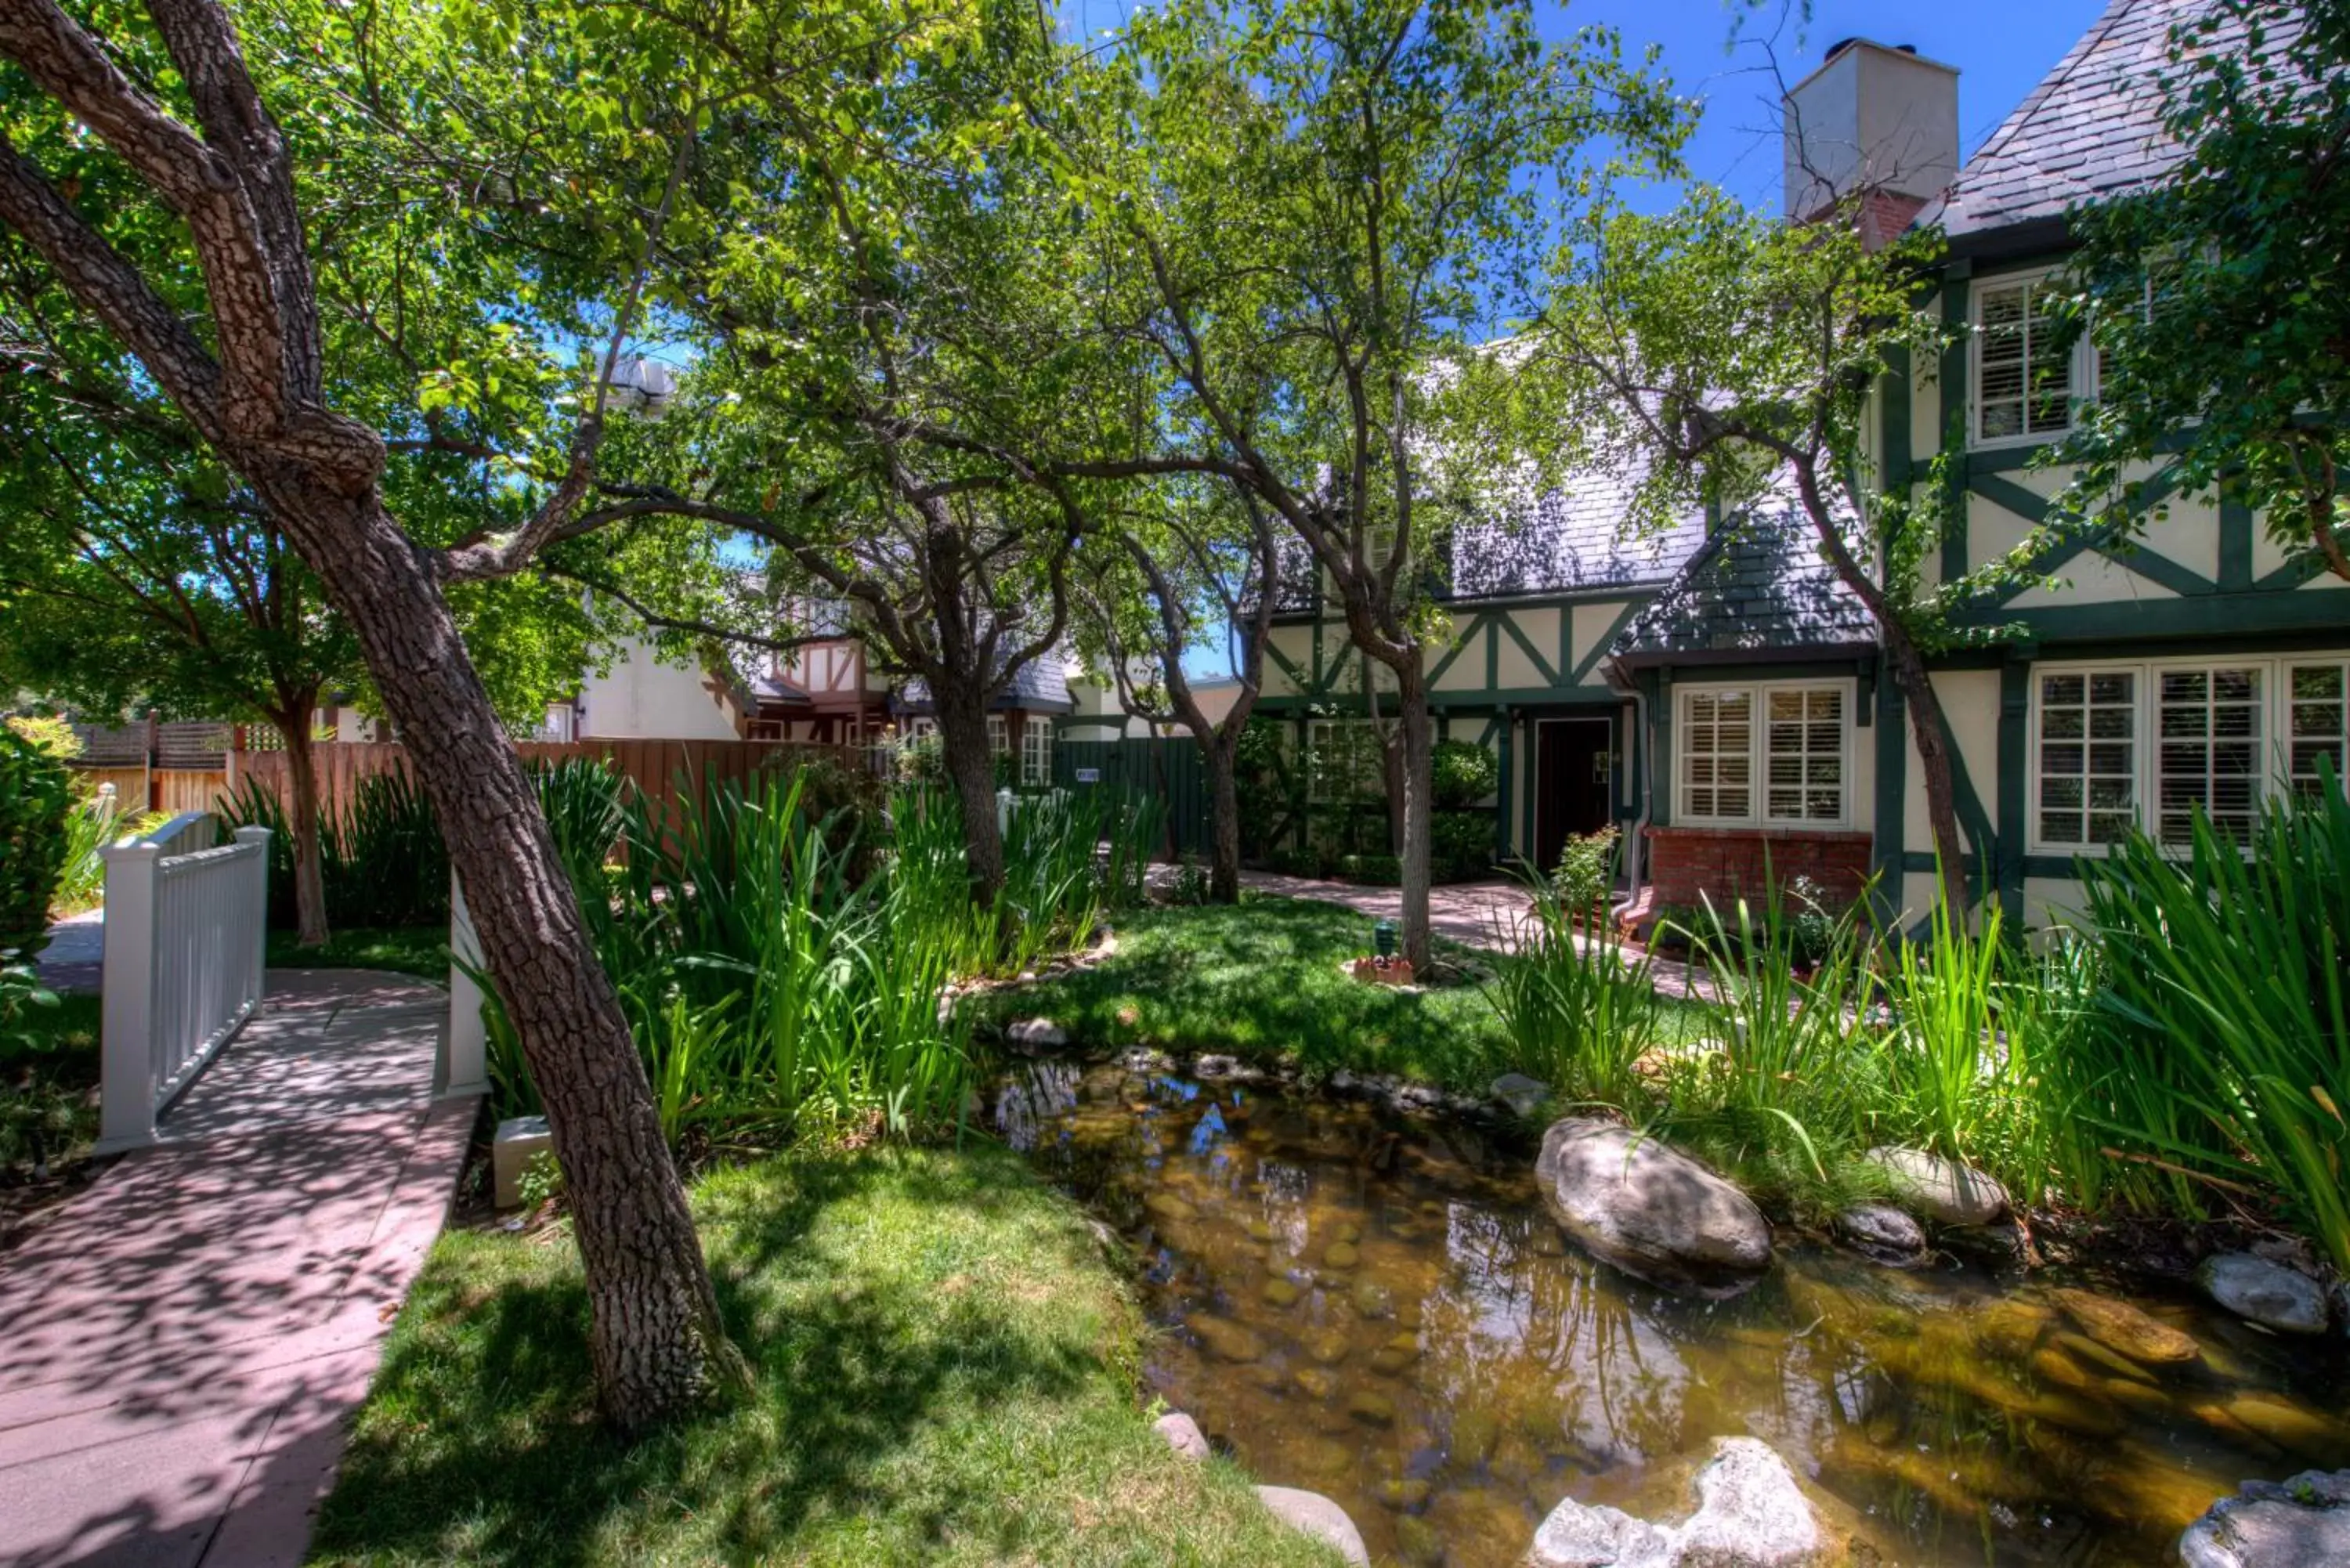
1757 585
1039 686
1562 540
2092 129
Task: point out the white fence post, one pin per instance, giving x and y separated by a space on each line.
259 982
127 998
464 1066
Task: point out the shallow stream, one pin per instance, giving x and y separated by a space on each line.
1381 1310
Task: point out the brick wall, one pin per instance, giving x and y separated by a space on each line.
1688 865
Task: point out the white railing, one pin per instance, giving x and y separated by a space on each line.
186 935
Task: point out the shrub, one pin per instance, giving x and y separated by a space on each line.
1464 774
1377 870
1585 873
35 794
1460 845
1578 1016
381 857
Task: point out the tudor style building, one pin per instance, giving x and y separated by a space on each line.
1727 690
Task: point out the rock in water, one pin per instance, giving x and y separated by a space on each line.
1649 1210
1950 1193
2268 1293
1883 1232
2304 1523
1029 1035
1522 1094
2119 1326
1749 1514
1311 1513
1182 1435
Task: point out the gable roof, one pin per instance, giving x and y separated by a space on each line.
1758 586
2091 129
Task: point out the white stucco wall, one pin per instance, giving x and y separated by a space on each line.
646 697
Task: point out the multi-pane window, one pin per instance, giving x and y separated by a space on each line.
2317 722
1036 752
1803 755
1772 755
1717 752
2152 746
2088 756
1342 760
2207 756
2023 369
999 736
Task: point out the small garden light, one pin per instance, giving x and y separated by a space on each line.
1383 938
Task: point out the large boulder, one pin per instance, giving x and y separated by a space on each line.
1649 1210
2304 1523
1751 1513
2268 1293
1311 1513
1947 1192
1881 1231
1522 1095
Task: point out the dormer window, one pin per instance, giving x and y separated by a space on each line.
2026 376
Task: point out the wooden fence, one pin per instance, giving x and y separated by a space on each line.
660 769
1167 767
174 767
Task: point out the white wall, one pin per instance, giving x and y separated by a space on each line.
646 697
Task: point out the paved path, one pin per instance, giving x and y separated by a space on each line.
75 954
1491 914
182 1342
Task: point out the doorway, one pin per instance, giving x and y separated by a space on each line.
1574 769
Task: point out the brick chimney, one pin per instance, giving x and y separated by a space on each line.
1879 121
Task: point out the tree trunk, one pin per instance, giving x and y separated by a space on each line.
1223 817
302 821
1418 749
657 1342
962 711
1931 737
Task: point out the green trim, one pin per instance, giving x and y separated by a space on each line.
1660 683
1485 735
1509 623
2235 546
2203 615
1533 784
2292 573
1501 798
2060 552
1892 786
1923 860
1896 393
2014 705
2028 505
2055 867
1492 656
1599 648
2160 569
1460 643
1337 668
1281 660
1957 398
1468 702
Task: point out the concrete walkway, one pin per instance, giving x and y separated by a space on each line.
182 1343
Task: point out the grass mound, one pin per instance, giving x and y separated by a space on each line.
945 1373
1259 980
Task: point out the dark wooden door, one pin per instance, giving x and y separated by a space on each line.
1571 765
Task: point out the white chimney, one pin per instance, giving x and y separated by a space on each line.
1876 118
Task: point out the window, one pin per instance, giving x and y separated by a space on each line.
2121 747
1036 752
2317 722
999 736
1796 753
2208 754
2025 376
2088 756
1343 761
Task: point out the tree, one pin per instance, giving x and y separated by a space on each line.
1325 208
1207 547
167 201
1732 359
2219 299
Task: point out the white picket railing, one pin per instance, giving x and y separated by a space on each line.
186 935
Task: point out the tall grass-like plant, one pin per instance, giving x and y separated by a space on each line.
1791 1078
1946 1066
381 857
1579 1013
2226 977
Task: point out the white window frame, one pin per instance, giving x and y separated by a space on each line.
1759 693
1036 751
2273 776
2083 367
999 736
1322 740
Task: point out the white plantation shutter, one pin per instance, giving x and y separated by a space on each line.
2207 753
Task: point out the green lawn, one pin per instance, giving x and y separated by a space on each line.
1261 980
410 950
946 1373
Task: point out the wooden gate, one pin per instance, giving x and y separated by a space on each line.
1167 769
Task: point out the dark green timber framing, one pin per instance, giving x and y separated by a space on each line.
2014 707
1956 286
1509 724
1892 791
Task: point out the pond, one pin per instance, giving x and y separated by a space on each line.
1379 1309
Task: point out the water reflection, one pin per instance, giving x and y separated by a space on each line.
1382 1311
